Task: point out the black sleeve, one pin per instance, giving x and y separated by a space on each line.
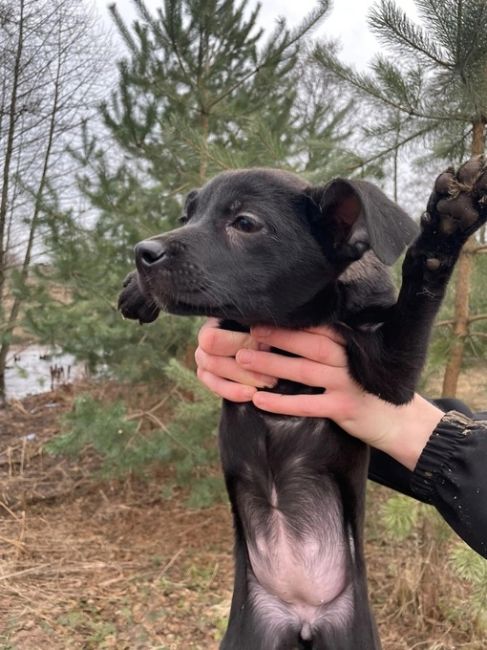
451 474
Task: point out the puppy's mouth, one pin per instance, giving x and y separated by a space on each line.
175 305
186 289
186 301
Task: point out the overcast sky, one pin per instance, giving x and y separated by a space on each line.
347 21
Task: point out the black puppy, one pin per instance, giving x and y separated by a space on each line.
262 247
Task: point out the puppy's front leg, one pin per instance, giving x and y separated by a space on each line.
389 361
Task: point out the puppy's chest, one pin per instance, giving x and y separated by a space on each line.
266 445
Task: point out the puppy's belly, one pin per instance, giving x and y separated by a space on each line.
275 617
299 557
301 553
305 571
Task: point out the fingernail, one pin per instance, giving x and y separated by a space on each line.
244 357
259 398
261 332
249 394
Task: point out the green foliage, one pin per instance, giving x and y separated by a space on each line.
473 568
107 430
433 541
187 440
193 430
437 83
400 516
200 89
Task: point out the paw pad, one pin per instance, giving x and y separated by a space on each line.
433 264
459 198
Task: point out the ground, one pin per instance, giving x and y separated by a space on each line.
88 564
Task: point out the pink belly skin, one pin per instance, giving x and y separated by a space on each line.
300 580
276 617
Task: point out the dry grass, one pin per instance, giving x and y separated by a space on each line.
87 564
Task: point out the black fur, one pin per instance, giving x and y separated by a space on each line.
261 247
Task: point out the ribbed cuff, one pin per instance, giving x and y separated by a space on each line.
438 450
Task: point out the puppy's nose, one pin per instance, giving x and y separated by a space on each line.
149 252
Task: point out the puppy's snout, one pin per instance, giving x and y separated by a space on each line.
150 252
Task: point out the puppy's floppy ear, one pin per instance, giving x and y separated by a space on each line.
362 217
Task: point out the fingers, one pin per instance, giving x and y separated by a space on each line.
319 347
296 369
228 368
226 389
225 343
308 406
329 332
324 362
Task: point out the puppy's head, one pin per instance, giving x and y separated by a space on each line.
257 245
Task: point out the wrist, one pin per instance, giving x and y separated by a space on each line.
410 430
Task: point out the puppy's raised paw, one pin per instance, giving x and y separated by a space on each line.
458 204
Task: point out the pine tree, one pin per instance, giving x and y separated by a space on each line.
201 89
435 77
199 79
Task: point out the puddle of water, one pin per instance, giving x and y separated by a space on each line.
38 368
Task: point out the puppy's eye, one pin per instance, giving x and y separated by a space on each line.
246 223
183 219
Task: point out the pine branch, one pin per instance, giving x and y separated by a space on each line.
122 28
444 323
481 20
433 13
393 27
274 53
397 145
171 31
472 319
475 319
365 84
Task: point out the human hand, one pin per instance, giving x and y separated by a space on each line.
400 431
217 367
321 362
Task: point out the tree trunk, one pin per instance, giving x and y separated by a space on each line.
9 148
462 290
24 273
